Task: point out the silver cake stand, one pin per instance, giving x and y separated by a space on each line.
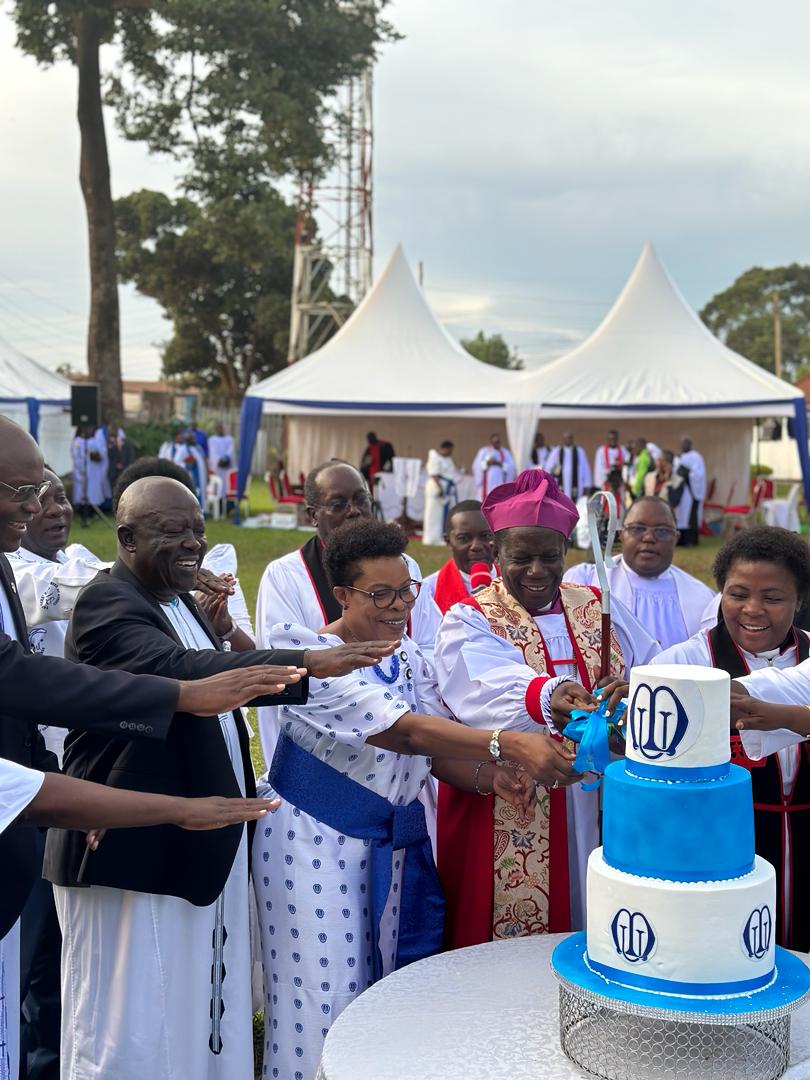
620 1034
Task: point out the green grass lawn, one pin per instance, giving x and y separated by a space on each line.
257 547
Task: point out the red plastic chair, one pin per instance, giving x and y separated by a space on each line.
280 489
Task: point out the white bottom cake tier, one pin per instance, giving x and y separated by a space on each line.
699 938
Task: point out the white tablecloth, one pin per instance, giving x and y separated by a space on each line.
485 1013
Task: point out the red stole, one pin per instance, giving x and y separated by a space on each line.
450 587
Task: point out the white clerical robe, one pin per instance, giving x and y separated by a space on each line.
288 595
427 615
219 448
607 458
669 606
561 458
492 467
437 496
695 492
137 967
483 680
90 480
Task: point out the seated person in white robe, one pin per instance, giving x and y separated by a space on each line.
493 465
349 766
221 455
668 602
294 588
471 543
500 657
764 576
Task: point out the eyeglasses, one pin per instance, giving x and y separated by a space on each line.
340 506
385 598
26 492
660 532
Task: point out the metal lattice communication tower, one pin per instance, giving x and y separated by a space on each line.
333 236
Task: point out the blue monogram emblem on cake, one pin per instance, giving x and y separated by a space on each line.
633 935
756 935
658 721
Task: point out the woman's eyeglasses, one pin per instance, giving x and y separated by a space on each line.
386 598
660 532
26 492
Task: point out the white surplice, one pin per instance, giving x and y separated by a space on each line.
219 448
427 615
669 607
443 469
483 680
492 467
287 595
137 967
90 481
562 458
607 458
313 885
695 492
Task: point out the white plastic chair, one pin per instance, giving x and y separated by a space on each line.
213 496
783 512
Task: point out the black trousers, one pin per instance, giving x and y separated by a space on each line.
40 985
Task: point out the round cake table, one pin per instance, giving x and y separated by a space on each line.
484 1013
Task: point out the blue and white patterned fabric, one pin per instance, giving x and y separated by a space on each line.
312 883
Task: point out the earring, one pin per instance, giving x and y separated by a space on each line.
345 607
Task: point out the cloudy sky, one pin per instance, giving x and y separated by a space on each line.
525 150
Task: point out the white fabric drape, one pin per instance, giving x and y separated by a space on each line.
522 418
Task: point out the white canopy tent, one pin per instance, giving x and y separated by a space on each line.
39 401
653 369
393 369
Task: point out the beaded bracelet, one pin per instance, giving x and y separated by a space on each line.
475 779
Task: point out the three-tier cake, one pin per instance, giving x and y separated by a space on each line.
681 913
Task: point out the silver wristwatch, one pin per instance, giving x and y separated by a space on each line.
495 745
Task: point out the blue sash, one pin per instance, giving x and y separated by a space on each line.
348 807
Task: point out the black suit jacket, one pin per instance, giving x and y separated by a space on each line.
117 623
47 690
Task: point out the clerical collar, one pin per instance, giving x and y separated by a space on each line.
554 607
634 574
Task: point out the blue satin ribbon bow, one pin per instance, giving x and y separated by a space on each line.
348 807
590 730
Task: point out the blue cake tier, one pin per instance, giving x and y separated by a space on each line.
701 831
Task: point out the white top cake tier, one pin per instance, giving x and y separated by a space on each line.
678 719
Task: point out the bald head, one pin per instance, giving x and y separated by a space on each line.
161 535
155 496
335 493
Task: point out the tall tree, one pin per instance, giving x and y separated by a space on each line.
217 84
222 272
492 349
743 315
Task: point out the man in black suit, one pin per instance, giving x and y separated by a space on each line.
36 689
185 893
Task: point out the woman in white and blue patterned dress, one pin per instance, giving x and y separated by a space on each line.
362 742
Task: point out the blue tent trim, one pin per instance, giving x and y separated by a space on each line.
33 404
250 418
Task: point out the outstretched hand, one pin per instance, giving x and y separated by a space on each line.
341 659
230 689
516 787
612 689
568 697
751 714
